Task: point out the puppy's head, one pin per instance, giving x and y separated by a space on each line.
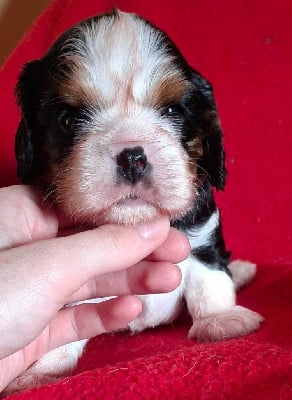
116 125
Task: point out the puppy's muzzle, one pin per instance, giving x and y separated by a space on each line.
132 165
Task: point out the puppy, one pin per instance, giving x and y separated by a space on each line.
118 128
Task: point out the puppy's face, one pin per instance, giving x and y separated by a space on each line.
115 124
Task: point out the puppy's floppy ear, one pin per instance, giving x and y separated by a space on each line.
212 162
28 93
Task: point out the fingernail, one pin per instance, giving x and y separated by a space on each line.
153 229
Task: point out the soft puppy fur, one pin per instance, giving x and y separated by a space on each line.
118 128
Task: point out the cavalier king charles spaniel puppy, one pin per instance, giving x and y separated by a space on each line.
119 129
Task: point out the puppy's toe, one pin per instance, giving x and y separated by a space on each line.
237 321
28 381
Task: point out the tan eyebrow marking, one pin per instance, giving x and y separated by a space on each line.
75 86
168 91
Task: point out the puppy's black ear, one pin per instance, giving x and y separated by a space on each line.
28 94
209 130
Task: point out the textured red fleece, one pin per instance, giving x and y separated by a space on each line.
244 49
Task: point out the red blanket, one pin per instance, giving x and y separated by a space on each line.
244 49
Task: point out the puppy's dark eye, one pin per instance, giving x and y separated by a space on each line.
172 110
66 120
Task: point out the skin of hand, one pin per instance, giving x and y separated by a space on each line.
40 273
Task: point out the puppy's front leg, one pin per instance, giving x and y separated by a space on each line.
210 297
210 290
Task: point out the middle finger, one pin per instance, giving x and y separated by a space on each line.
143 278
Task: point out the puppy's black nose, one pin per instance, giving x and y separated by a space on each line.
132 164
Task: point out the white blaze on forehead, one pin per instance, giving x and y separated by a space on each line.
119 57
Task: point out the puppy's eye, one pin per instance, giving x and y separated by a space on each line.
66 120
172 110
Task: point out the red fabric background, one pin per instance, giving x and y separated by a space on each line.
244 49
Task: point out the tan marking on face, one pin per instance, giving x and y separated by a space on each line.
75 91
195 148
195 151
168 91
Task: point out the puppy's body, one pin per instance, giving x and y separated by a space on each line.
120 129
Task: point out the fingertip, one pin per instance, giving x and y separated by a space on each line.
127 308
175 249
183 247
163 278
173 278
181 240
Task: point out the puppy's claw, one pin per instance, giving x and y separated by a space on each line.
237 321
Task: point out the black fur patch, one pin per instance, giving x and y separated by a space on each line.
214 254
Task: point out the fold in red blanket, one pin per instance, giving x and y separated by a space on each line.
244 49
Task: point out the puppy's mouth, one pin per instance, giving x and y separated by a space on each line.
131 209
131 199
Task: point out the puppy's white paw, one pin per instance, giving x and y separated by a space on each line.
237 321
243 272
28 381
53 366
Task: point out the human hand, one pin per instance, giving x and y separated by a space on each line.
40 273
